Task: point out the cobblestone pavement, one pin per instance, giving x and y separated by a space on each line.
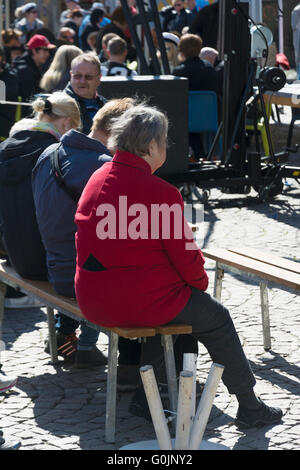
58 409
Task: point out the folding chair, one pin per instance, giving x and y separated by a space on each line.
203 116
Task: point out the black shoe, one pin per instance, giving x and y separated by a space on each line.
128 377
139 405
86 359
262 416
163 389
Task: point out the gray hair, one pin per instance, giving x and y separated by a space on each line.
136 128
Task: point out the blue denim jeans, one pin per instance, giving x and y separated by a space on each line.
88 336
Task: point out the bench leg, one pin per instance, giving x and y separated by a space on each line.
52 335
265 315
167 342
111 392
219 274
2 299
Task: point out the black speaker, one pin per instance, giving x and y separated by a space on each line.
169 94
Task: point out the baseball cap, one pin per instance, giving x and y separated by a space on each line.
39 41
98 6
171 38
28 6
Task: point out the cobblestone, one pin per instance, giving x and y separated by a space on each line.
53 408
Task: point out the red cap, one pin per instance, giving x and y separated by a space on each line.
39 41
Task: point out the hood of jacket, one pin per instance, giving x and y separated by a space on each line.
77 140
19 153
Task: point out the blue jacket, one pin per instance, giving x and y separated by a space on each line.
79 157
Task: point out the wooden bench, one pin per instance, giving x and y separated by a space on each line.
44 291
268 269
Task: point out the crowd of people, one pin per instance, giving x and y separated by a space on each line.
72 151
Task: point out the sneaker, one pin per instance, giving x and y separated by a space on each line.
262 416
7 382
8 443
26 301
85 359
128 377
66 346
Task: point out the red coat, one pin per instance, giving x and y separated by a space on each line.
124 280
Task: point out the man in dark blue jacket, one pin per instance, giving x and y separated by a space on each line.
83 86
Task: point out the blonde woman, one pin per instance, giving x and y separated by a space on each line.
58 74
171 44
18 154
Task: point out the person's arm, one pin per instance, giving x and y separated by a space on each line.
183 251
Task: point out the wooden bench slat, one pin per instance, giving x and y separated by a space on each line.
133 332
45 291
265 271
175 329
42 289
268 258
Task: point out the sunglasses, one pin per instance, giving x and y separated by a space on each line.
78 76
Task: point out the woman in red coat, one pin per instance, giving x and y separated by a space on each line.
137 264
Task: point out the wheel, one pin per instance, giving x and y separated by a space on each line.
266 193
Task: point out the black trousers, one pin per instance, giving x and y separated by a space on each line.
213 327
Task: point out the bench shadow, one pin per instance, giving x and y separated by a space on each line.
270 369
19 321
70 405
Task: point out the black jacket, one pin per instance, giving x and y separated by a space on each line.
206 25
85 117
201 74
29 76
8 112
20 232
88 29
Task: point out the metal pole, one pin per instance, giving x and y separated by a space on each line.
280 27
255 11
7 14
1 19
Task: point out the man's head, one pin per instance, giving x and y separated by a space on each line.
39 47
117 49
85 75
105 117
30 12
66 34
105 40
178 5
11 37
76 16
209 53
189 46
